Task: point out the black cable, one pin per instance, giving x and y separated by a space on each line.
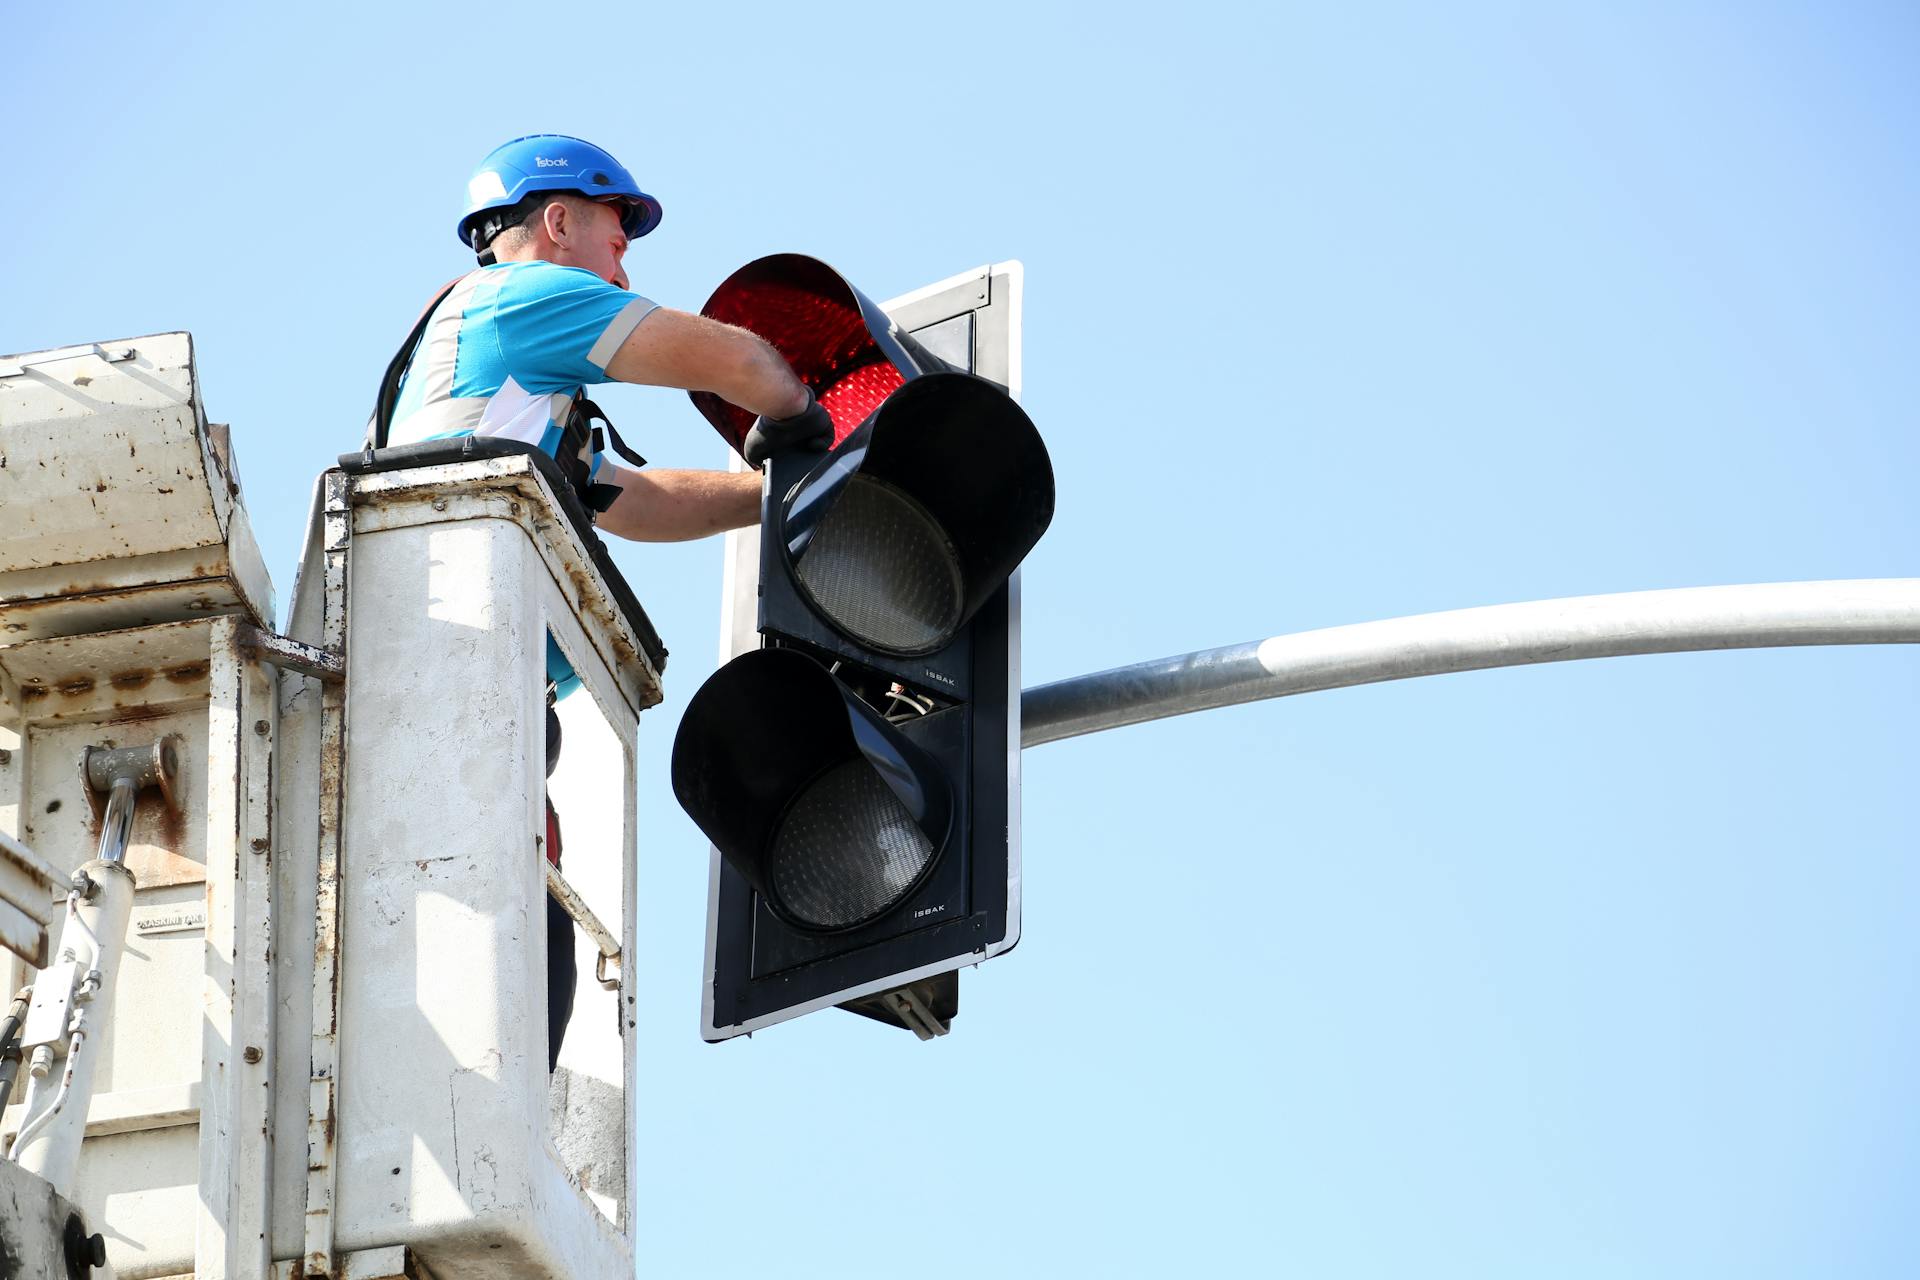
10 1043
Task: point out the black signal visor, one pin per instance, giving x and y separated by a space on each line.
823 807
914 520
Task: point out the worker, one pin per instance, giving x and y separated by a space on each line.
508 349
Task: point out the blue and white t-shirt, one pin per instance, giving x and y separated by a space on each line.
505 354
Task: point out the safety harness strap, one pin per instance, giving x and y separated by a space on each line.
575 438
397 369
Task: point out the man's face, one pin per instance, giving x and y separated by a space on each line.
596 242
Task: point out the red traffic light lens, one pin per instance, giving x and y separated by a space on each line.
836 339
859 393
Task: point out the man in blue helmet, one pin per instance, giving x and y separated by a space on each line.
508 350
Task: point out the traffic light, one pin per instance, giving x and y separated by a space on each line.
857 773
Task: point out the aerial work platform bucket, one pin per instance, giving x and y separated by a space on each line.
460 571
326 1048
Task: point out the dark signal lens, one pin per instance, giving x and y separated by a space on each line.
847 851
883 570
830 813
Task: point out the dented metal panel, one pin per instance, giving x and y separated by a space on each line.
108 460
119 492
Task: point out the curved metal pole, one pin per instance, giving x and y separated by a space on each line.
1861 611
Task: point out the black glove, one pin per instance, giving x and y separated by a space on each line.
811 428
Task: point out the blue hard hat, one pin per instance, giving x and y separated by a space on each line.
553 162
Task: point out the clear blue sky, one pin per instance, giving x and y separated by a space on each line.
1334 312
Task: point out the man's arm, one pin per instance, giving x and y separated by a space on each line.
676 349
661 505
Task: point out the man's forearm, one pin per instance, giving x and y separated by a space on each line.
674 506
770 388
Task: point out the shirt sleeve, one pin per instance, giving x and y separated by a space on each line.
565 679
559 326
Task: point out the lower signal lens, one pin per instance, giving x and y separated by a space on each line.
846 851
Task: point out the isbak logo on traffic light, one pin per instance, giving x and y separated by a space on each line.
855 773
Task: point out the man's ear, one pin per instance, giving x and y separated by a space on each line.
557 220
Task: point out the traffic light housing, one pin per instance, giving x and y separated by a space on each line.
857 773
